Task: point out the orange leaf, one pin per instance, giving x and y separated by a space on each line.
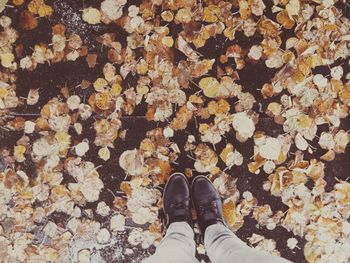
27 20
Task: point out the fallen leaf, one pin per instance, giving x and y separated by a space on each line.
243 125
3 5
132 162
270 149
7 59
293 7
45 10
104 153
210 86
81 148
27 20
92 16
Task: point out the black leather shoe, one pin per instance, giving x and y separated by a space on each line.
207 203
176 200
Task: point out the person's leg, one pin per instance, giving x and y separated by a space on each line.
177 245
223 246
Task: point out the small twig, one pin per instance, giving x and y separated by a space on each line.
119 192
189 156
4 128
109 190
17 114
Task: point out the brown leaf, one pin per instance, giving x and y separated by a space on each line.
58 29
85 84
91 60
27 20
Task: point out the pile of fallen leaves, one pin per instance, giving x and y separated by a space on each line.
175 86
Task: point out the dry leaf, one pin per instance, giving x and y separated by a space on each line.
91 15
27 20
3 5
45 10
7 59
293 7
210 87
81 148
243 125
104 153
132 162
270 149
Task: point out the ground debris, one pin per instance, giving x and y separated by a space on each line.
101 102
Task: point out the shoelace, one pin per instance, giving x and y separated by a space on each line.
207 207
179 204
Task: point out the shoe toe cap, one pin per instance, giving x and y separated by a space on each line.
202 187
177 185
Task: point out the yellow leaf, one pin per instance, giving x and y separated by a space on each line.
203 127
50 254
19 151
244 9
45 10
18 2
168 41
92 16
104 153
224 106
284 19
309 253
304 68
27 195
7 59
126 188
228 149
64 141
298 76
142 68
184 15
344 94
275 108
34 6
167 16
116 90
195 99
304 121
100 84
229 211
3 92
293 7
102 101
143 90
147 146
199 42
210 13
210 86
212 107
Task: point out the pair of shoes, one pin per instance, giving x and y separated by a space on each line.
206 201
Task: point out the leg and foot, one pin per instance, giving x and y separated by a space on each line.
178 245
221 244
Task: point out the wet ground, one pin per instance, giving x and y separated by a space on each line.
50 79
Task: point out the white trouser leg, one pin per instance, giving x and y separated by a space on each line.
223 246
177 246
